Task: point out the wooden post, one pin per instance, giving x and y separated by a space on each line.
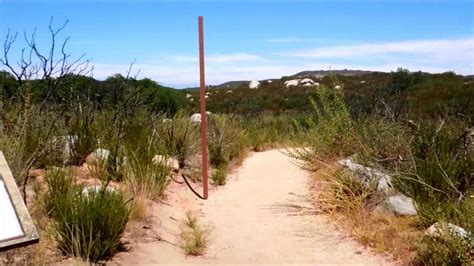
202 90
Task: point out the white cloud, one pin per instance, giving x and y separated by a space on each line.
446 49
433 56
284 40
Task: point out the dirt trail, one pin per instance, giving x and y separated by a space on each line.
262 215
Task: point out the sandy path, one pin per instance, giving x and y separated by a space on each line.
262 215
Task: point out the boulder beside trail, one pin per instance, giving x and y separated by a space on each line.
195 118
98 155
440 229
169 162
96 189
397 205
369 175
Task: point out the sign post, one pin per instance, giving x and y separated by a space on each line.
202 92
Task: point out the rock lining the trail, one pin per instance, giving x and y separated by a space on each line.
167 161
397 205
369 176
443 229
392 202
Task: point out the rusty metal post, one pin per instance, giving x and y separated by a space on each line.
202 90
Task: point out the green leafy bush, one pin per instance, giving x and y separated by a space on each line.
445 251
328 132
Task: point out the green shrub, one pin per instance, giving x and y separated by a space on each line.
82 137
90 226
328 132
445 251
219 177
59 183
269 130
145 178
179 137
194 236
26 137
226 140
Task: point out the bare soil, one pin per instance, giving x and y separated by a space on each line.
264 214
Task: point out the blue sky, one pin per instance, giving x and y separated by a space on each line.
254 39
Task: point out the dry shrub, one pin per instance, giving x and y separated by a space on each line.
139 208
345 201
194 236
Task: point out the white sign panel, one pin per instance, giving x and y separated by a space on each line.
10 227
16 227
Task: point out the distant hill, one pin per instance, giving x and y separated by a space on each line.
322 73
306 73
233 83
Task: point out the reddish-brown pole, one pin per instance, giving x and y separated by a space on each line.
202 91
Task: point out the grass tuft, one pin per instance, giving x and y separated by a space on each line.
194 236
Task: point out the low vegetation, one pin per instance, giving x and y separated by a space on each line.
87 223
429 160
194 236
416 127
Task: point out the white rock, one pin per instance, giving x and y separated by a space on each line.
188 95
192 100
307 80
369 176
441 228
195 118
290 83
316 84
208 113
337 87
170 162
362 81
307 85
397 205
229 91
167 120
96 189
269 81
254 84
207 96
98 155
